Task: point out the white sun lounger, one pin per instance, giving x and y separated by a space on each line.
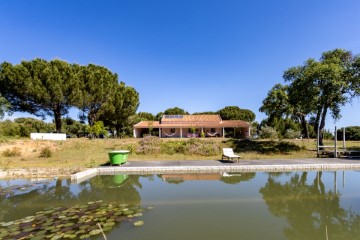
228 154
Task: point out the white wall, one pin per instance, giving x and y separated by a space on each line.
48 136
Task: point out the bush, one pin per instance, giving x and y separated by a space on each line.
149 145
204 148
45 152
351 133
268 133
172 147
291 134
14 152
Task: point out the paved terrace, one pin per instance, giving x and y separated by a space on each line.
211 166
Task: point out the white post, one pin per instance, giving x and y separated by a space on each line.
317 142
134 131
223 132
159 132
180 132
335 154
344 145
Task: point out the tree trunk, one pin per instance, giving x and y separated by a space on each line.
304 126
322 125
57 116
91 118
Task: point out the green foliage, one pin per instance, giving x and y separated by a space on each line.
204 148
264 147
194 146
351 133
236 113
145 116
119 111
149 145
4 105
73 127
98 85
39 87
268 133
45 152
172 147
14 152
326 85
97 129
276 104
22 127
205 113
175 111
291 134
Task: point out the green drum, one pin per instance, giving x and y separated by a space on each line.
118 157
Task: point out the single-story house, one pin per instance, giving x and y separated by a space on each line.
183 126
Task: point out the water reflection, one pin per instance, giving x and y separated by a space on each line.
311 210
63 193
290 206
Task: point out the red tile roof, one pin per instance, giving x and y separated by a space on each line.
188 121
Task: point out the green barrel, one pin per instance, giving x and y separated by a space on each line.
119 179
118 157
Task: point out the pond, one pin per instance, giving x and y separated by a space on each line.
292 205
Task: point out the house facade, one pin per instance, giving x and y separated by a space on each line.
186 126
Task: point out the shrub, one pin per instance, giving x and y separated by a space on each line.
14 152
45 152
203 148
149 145
172 147
268 133
291 134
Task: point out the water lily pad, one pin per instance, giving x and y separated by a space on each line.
95 232
7 224
128 212
107 229
84 236
138 223
138 214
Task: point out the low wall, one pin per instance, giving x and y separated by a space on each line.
48 136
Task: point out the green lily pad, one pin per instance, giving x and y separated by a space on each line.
95 232
138 223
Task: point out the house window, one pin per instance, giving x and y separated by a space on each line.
172 130
213 130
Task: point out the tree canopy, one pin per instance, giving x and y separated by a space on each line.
40 87
316 88
118 111
175 111
236 113
97 86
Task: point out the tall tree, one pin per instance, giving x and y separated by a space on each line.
175 111
4 106
41 88
325 86
98 85
236 113
145 116
119 109
279 109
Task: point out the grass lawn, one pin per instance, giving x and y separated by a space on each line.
84 153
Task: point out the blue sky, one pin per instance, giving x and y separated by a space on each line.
199 55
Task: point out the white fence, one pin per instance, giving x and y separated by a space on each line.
48 136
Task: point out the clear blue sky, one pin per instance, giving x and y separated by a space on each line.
199 55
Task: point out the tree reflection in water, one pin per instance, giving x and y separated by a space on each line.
61 194
309 209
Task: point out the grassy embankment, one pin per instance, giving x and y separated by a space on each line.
84 153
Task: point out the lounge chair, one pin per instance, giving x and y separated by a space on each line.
229 154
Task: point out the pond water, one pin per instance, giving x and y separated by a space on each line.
297 205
